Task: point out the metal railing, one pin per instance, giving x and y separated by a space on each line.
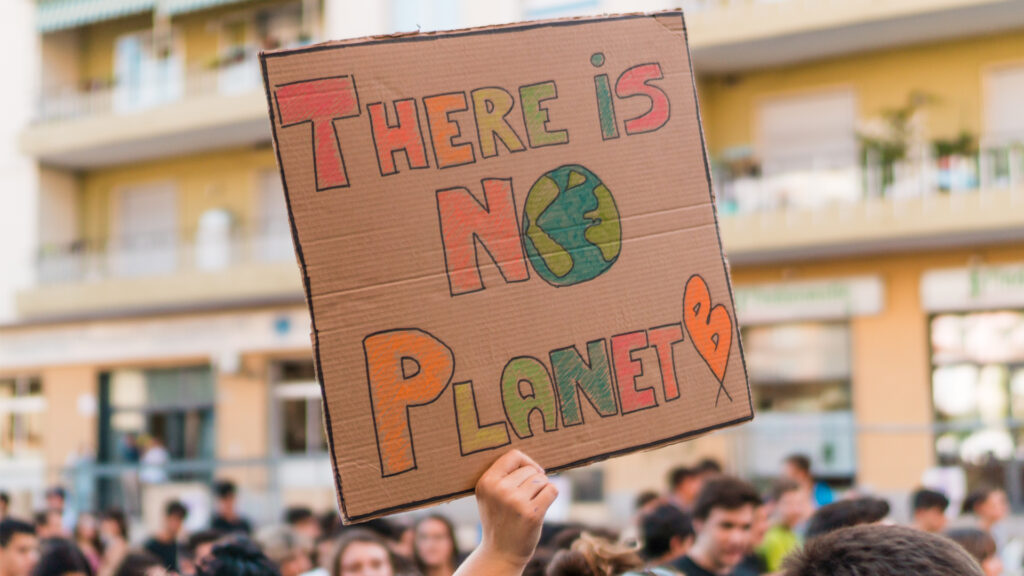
163 253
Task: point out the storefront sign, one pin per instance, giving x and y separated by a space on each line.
833 299
975 288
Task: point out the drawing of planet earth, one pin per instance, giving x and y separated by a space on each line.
571 226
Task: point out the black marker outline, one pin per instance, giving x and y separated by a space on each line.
458 130
495 138
672 356
632 359
578 389
479 426
532 394
547 116
398 124
668 101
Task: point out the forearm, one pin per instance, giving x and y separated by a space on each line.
482 561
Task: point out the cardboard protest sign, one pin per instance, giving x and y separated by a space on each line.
508 239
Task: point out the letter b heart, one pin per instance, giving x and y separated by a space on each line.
710 327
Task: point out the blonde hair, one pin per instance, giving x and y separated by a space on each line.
593 556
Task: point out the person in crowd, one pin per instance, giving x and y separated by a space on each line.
988 505
846 513
684 485
512 497
227 519
153 462
19 548
60 557
237 556
929 510
114 537
753 562
981 546
797 467
197 548
87 537
56 502
792 507
708 468
5 505
302 521
435 550
289 550
139 563
880 551
48 524
593 556
164 544
723 518
646 502
394 535
364 553
667 534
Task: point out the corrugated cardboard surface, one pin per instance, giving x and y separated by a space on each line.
372 256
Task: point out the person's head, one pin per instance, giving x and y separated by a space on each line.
929 508
880 551
49 524
797 467
86 528
723 517
593 556
646 501
226 493
981 546
792 502
303 521
435 545
685 483
5 503
174 517
60 557
113 526
288 549
19 547
708 467
236 555
667 534
199 545
140 563
362 553
846 513
762 522
989 504
55 497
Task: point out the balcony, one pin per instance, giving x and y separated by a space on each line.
160 271
839 211
734 35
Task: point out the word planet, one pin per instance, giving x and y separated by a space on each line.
571 226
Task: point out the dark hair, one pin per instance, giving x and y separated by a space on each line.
175 508
357 535
224 489
782 487
384 528
678 475
329 523
197 539
57 491
977 542
708 466
5 497
9 527
724 492
449 528
924 499
237 555
41 517
846 513
116 516
800 462
296 514
880 551
137 563
59 556
977 497
659 528
645 498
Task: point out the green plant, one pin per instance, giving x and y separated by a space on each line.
885 139
965 144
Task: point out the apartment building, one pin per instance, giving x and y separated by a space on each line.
869 167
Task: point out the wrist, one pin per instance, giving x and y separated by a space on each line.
505 558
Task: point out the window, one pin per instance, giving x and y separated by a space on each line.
272 238
1004 92
147 74
800 380
146 237
297 400
808 132
978 391
22 407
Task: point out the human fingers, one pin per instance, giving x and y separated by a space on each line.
508 463
517 478
545 498
534 485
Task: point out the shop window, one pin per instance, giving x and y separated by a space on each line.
22 409
299 414
978 392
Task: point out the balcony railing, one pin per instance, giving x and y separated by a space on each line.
164 253
164 84
825 184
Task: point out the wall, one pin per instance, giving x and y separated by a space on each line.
71 426
227 179
953 71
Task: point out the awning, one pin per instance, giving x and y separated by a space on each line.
53 15
175 7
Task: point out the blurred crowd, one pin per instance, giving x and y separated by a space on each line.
704 523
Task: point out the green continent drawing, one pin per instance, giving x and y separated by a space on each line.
571 226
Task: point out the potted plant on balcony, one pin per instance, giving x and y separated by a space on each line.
957 162
893 144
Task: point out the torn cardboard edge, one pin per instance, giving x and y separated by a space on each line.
498 29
